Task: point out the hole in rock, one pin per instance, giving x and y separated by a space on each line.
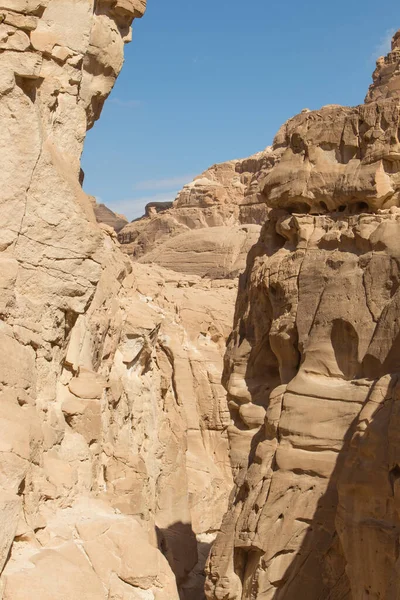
391 166
361 207
394 475
299 208
297 143
323 206
348 153
345 342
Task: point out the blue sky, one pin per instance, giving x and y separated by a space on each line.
211 81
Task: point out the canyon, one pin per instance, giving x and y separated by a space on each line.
203 402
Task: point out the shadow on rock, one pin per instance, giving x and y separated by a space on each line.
187 556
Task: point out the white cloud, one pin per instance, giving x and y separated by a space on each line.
385 44
133 208
171 183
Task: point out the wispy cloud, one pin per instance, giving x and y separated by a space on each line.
125 103
133 208
171 183
384 45
149 190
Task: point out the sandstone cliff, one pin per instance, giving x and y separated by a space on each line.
117 446
313 363
113 453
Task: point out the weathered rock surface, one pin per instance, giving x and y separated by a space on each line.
312 367
212 252
115 434
113 452
207 231
386 77
105 215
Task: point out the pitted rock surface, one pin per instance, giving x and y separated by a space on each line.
118 441
312 367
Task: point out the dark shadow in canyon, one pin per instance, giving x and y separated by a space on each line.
253 326
320 552
317 572
186 556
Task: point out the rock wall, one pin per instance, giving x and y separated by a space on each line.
114 455
117 446
313 363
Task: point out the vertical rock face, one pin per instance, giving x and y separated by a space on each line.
114 425
59 274
113 452
312 366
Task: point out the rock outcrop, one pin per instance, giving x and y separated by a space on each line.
114 452
106 216
117 447
312 366
386 77
210 227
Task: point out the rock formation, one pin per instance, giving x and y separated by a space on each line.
105 215
312 366
386 77
117 447
113 453
206 231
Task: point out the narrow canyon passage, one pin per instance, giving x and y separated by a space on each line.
201 402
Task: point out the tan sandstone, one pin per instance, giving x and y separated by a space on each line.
312 366
206 230
114 460
118 441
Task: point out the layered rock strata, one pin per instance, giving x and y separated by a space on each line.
106 216
210 227
312 367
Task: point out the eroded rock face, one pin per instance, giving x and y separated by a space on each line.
386 77
211 226
106 216
312 369
335 159
59 60
114 453
114 425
